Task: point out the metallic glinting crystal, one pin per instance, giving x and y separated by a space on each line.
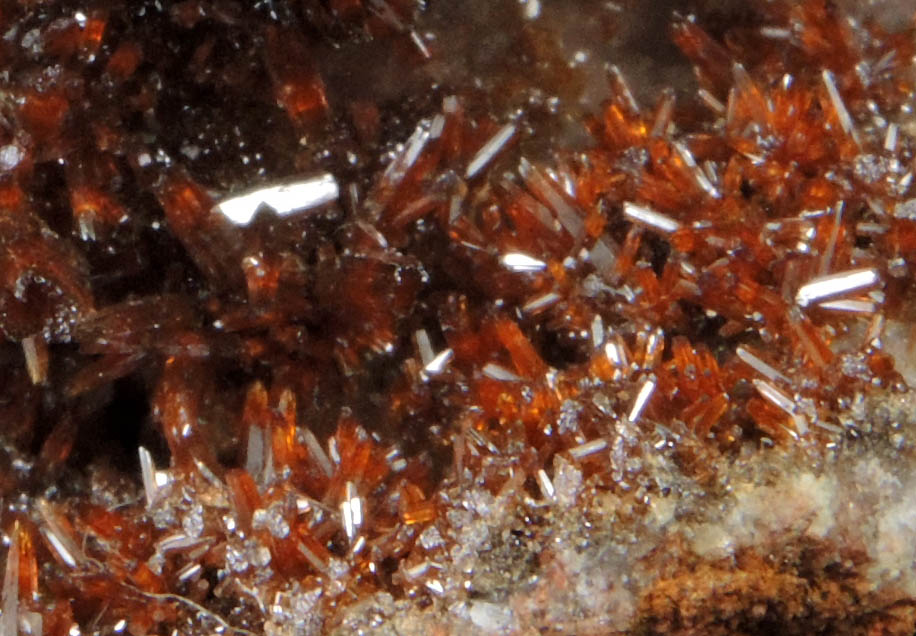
285 199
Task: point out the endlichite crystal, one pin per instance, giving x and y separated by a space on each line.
372 317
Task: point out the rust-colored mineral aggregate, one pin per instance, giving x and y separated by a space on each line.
402 317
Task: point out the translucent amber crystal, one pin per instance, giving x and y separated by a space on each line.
188 209
81 34
524 357
58 445
124 60
177 409
298 88
43 114
28 564
245 496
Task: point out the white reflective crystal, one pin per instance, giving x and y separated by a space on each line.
835 285
775 33
59 546
33 363
759 365
588 448
783 402
176 542
890 139
414 572
417 39
438 125
317 452
546 189
313 558
699 176
284 199
850 306
710 100
148 474
597 331
647 216
333 453
439 363
542 301
490 149
351 511
496 372
190 571
616 354
531 9
642 398
424 346
838 105
10 156
415 144
161 478
435 586
254 453
492 618
545 484
621 84
602 256
518 262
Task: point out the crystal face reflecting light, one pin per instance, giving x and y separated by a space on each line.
835 285
284 199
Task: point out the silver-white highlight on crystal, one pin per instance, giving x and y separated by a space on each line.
490 149
646 389
549 191
59 539
285 199
838 105
545 484
351 511
316 451
424 346
541 302
890 138
148 474
439 363
518 262
824 287
37 372
497 372
759 365
850 306
616 353
786 404
588 448
701 179
648 217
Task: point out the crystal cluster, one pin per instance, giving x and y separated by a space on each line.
357 316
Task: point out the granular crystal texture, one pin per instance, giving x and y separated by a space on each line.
497 316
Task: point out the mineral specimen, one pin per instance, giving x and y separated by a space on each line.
402 317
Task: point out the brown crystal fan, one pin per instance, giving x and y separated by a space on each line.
390 316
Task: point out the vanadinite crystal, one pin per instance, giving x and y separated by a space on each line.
448 317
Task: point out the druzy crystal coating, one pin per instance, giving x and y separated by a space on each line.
314 321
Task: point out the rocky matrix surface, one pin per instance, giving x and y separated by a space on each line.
492 316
